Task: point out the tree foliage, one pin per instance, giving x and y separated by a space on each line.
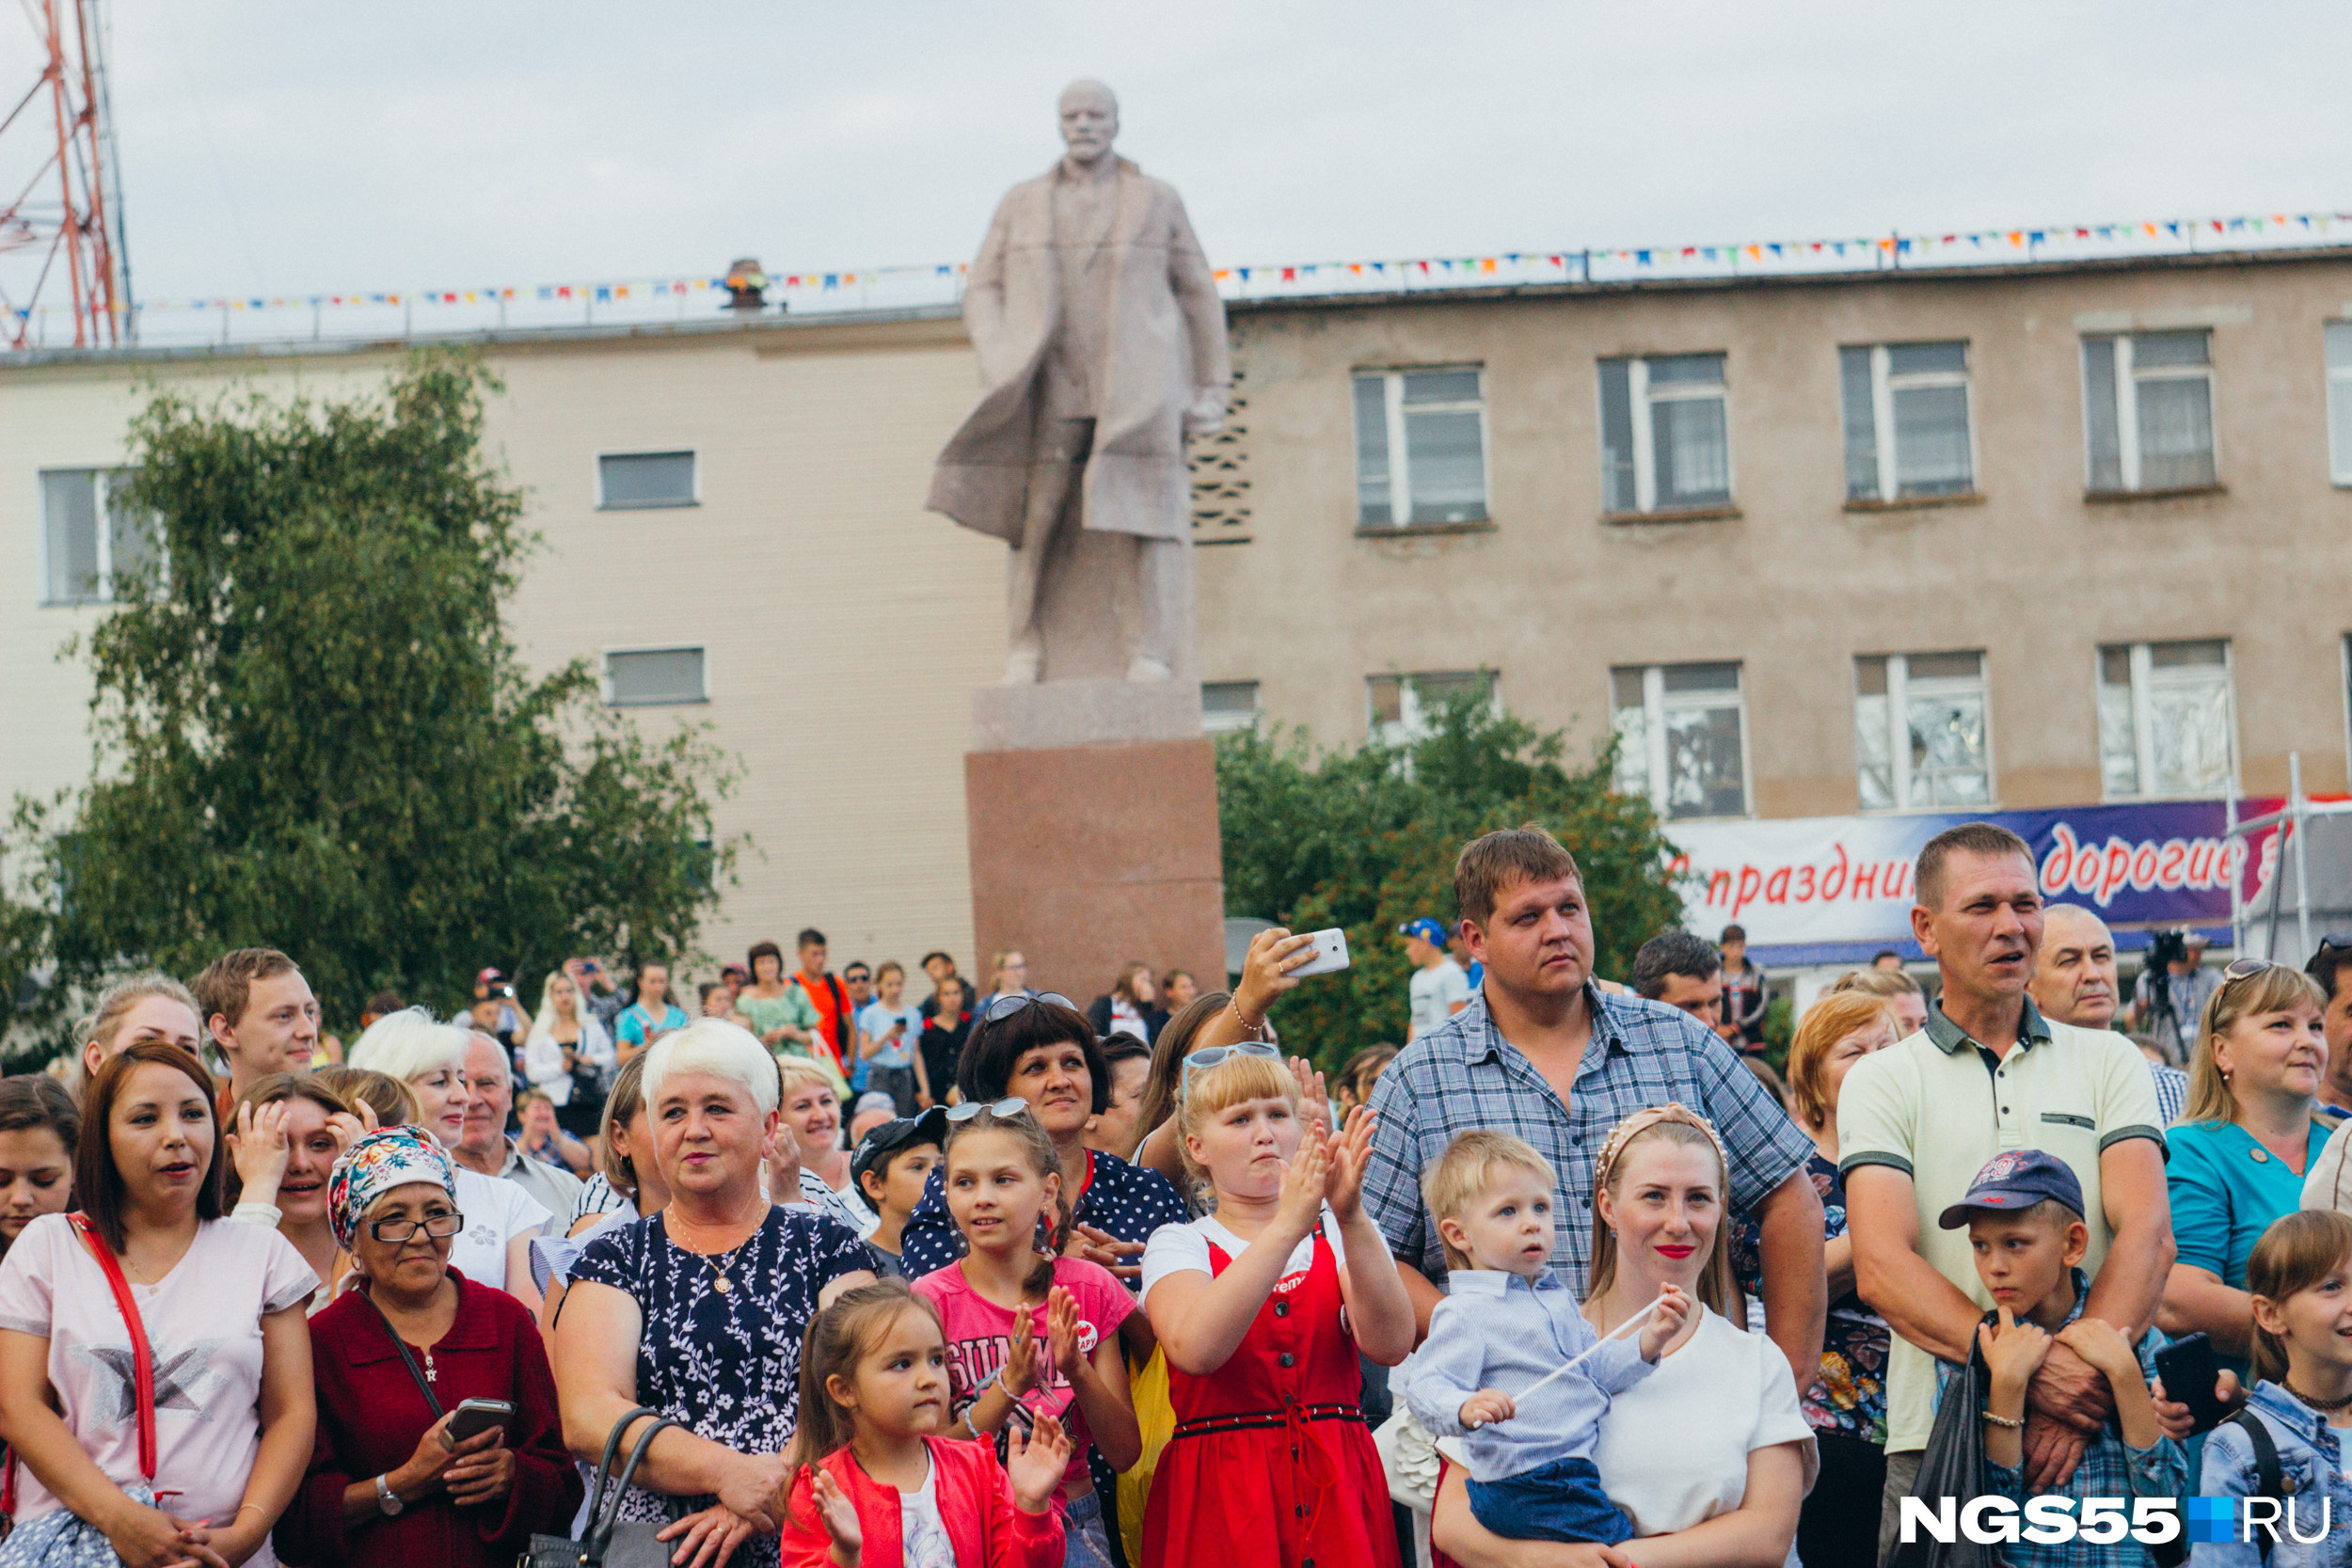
1366 840
313 731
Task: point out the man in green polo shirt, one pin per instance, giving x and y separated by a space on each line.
1988 1073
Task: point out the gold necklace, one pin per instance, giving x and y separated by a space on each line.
719 1282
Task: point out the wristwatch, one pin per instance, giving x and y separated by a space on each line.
385 1498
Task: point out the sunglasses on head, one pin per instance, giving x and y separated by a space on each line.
1011 1105
2245 969
1209 1056
997 1008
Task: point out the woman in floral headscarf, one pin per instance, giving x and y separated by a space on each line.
395 1359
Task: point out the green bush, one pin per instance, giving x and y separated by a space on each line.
1366 840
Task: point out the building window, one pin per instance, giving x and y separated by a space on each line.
1682 738
2148 411
1921 739
1906 421
632 481
2167 724
645 677
1665 433
1229 705
1406 709
90 541
1421 447
2340 401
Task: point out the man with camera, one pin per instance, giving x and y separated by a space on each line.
2174 987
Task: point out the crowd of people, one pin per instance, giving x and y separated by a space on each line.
798 1271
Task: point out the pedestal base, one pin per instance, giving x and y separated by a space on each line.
1084 856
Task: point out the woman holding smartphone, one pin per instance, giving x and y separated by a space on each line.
402 1471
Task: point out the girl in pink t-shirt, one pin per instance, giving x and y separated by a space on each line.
1031 1334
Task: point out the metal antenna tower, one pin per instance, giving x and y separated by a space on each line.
60 211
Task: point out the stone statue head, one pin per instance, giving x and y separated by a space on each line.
1090 121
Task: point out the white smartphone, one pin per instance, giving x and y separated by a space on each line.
1329 953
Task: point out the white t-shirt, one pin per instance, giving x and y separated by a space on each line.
1182 1248
497 1211
1674 1448
203 1322
876 1020
922 1533
1435 991
1126 1019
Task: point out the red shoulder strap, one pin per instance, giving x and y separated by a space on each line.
142 1359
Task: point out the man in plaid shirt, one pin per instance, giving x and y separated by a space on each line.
1542 1053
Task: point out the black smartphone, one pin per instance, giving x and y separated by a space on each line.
2188 1369
479 1416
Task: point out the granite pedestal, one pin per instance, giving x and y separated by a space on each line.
1092 814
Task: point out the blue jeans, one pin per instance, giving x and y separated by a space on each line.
1559 1501
1085 1542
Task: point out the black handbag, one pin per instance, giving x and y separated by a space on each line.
608 1543
1953 1465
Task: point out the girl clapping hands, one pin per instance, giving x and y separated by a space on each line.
877 1484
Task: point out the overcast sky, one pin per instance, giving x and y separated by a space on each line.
274 146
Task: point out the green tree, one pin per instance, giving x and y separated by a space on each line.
314 734
1365 840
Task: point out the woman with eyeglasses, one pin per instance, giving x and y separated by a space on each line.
2239 1153
395 1359
1041 1050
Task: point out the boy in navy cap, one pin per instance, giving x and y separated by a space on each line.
2025 1217
889 1168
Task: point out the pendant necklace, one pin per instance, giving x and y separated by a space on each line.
718 1266
719 1281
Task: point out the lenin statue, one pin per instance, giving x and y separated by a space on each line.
1102 346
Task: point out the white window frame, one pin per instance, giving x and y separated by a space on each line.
1656 702
1884 384
102 480
2343 687
1219 725
1643 434
1900 685
1399 459
702 648
2339 393
693 454
1411 725
2127 379
2144 677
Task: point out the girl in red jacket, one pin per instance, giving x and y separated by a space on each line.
874 1486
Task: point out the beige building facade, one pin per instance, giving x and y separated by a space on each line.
1773 557
2008 538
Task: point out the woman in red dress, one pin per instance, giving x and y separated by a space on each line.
1261 1308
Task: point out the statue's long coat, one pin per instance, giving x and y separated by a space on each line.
1165 341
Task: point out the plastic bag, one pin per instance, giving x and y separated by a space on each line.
1953 1465
1156 1417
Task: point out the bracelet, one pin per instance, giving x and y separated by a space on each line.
1256 1030
2003 1421
255 1507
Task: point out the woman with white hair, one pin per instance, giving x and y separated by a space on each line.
494 1249
698 1312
